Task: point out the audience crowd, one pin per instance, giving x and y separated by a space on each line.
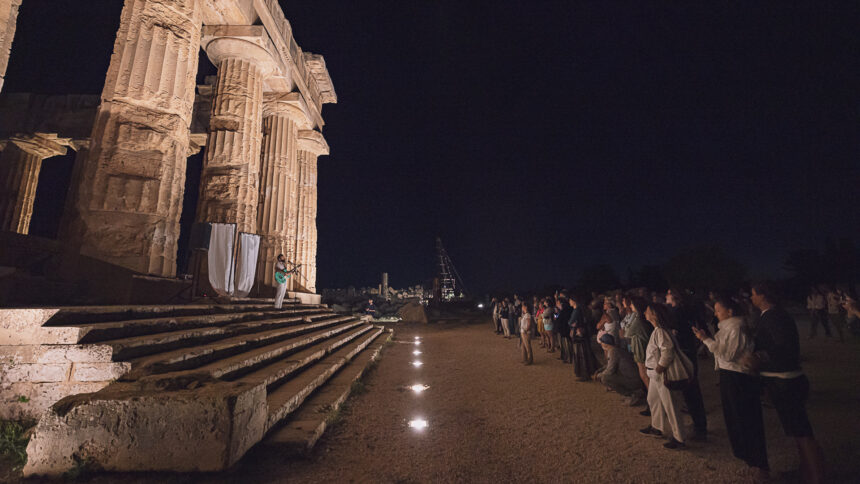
646 347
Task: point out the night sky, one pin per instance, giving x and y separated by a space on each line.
537 138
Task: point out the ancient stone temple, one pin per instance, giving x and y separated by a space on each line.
122 366
259 123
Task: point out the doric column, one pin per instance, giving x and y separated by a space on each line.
229 184
311 146
130 190
20 164
8 22
283 117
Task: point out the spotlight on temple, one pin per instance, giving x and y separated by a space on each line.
418 388
416 363
418 424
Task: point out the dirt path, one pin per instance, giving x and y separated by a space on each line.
493 420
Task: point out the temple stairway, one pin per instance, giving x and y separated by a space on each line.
189 388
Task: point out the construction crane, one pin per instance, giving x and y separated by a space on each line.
450 283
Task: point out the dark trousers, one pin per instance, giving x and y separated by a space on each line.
566 345
819 316
740 394
693 397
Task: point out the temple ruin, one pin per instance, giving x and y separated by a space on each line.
107 348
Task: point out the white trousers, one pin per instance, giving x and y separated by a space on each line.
279 296
665 407
505 327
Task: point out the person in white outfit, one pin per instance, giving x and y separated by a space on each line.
281 267
665 404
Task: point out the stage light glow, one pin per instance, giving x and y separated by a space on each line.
418 388
417 343
416 352
481 306
418 424
416 363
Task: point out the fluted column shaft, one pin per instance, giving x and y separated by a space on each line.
311 146
229 186
131 188
20 164
8 24
277 182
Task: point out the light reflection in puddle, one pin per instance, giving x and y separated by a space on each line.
418 424
418 388
416 363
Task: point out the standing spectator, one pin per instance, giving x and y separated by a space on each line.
834 312
683 319
548 325
496 318
526 323
739 386
582 357
504 314
777 357
562 327
637 335
665 404
620 373
818 304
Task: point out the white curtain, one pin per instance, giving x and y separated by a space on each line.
221 258
246 265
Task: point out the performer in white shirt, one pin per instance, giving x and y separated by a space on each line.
281 276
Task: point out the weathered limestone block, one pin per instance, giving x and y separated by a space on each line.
129 194
285 114
8 22
20 164
28 400
229 184
120 428
24 327
311 146
54 353
92 372
34 372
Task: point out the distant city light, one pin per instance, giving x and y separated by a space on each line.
416 363
418 424
418 388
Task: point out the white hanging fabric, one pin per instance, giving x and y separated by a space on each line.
246 265
221 258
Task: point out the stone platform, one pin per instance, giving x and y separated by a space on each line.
172 388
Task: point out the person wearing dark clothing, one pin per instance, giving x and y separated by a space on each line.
582 356
370 310
562 327
777 357
684 319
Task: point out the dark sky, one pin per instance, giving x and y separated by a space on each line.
539 137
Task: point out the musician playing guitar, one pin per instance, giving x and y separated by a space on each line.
281 276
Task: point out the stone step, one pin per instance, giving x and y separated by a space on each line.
306 425
98 332
277 372
264 362
101 314
238 346
285 399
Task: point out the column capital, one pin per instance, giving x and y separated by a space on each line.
43 145
289 104
312 141
246 42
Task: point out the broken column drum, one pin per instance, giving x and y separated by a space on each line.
130 191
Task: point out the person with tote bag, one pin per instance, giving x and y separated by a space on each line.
669 371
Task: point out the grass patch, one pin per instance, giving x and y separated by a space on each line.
358 388
13 441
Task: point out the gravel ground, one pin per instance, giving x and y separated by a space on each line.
491 419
